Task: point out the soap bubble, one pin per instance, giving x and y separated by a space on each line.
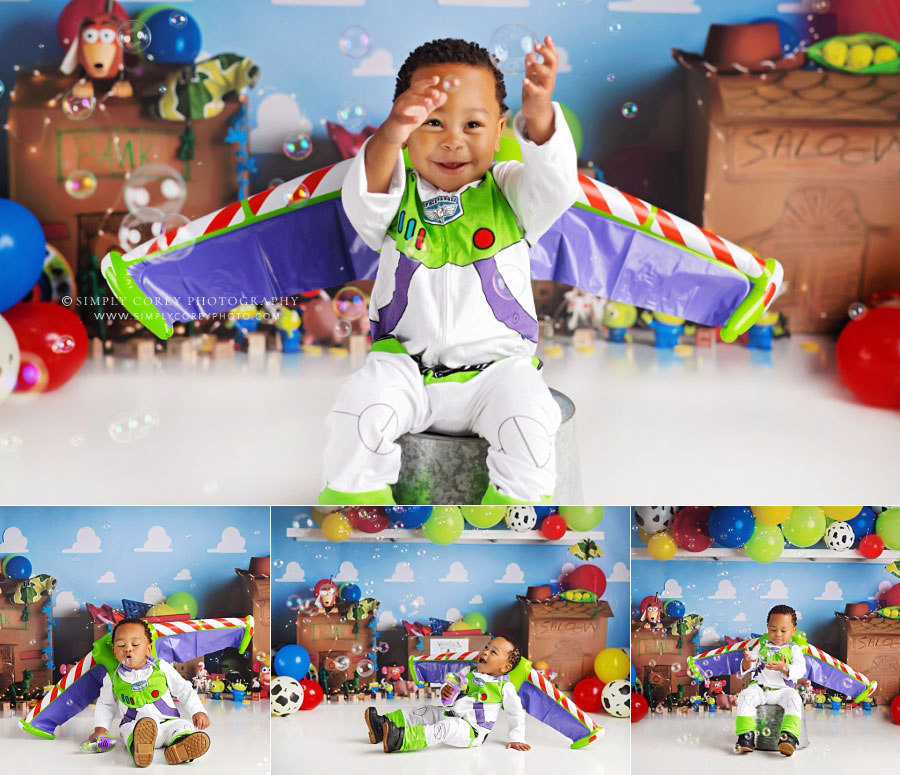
343 328
299 196
278 562
178 19
63 344
293 602
629 110
821 6
155 185
450 83
857 310
356 648
2 88
169 232
350 303
354 42
676 667
351 115
614 29
410 605
297 146
134 36
78 108
766 731
510 283
342 662
80 184
10 441
509 45
137 227
365 667
383 647
611 77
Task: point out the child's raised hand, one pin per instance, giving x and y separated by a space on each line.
519 746
446 692
780 666
540 78
200 720
412 108
748 657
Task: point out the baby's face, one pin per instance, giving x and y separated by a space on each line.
781 629
457 142
493 659
130 646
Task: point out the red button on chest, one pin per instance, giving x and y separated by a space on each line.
154 693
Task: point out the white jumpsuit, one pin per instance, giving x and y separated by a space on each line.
163 711
455 316
773 687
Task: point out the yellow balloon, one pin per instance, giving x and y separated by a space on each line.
612 665
644 535
160 609
319 513
771 515
336 527
661 547
841 513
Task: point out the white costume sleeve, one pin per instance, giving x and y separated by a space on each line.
106 708
182 690
545 184
515 713
755 652
798 664
371 214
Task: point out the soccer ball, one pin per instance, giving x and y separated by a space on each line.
653 519
616 698
839 536
285 696
521 518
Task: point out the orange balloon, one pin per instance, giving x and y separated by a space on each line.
771 515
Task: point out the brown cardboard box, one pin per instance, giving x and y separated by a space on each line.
441 644
328 636
256 600
872 646
21 642
804 167
566 635
661 659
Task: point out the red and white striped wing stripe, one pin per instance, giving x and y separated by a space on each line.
539 680
196 625
83 666
636 212
450 656
842 666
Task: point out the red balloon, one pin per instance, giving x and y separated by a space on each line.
588 577
690 528
639 707
871 546
588 694
868 357
553 527
312 694
895 709
892 596
53 344
368 519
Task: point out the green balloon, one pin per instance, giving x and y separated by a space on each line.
509 150
581 517
475 619
483 516
766 544
444 525
887 526
804 526
183 603
574 126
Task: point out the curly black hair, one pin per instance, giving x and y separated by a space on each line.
451 51
783 609
134 620
515 651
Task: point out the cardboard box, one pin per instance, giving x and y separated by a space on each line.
21 642
872 646
331 635
566 635
661 659
801 166
442 644
256 600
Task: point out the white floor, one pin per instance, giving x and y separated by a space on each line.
239 735
838 742
725 425
334 739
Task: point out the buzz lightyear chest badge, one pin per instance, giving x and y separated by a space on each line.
478 681
140 685
442 209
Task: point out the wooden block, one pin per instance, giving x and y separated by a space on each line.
545 329
706 337
182 347
207 343
145 349
96 348
583 337
256 344
358 344
223 350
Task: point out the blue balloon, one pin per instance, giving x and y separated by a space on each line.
22 250
350 593
543 512
292 661
174 37
862 524
731 526
410 517
675 609
17 567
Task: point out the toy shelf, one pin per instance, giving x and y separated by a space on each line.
395 535
715 554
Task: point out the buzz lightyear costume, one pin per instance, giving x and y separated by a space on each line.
453 323
469 720
147 692
772 686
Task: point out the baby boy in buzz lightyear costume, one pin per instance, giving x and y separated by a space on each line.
142 687
452 311
776 663
474 707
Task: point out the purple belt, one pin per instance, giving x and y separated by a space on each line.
161 705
